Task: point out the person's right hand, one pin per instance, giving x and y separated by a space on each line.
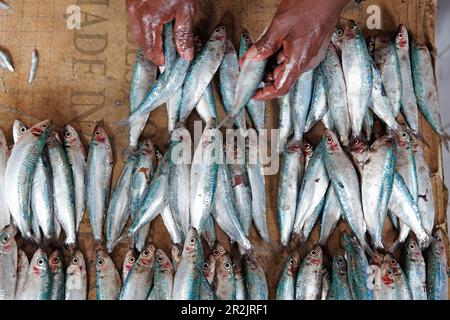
147 18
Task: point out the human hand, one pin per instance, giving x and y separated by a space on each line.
147 18
299 34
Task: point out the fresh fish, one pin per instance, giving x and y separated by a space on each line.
19 174
206 292
255 279
171 226
286 285
388 62
139 281
225 282
204 176
301 95
209 269
64 190
310 222
400 277
202 71
288 186
143 172
368 124
206 106
6 61
98 179
437 268
57 277
284 121
425 87
189 275
209 231
22 269
176 252
8 263
228 76
242 195
338 38
357 270
107 278
241 292
357 68
34 65
376 186
5 217
336 93
77 158
389 284
319 105
415 270
163 277
408 103
312 191
76 279
257 111
308 285
358 150
179 177
173 110
128 262
331 214
340 287
38 283
344 180
118 209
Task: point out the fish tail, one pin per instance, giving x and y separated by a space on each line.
123 122
227 123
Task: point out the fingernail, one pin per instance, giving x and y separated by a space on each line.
188 54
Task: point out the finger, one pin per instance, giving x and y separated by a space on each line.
268 92
269 77
278 70
134 22
281 57
153 47
184 34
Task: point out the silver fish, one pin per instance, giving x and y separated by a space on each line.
301 95
163 277
22 269
76 279
56 275
255 279
286 284
107 278
340 287
206 106
284 121
209 231
6 61
437 269
37 286
8 263
331 214
309 278
319 104
176 255
172 228
241 291
225 281
128 262
5 217
34 65
404 292
415 270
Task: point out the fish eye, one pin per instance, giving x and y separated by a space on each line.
392 262
100 262
22 129
339 32
439 239
205 266
292 262
159 259
329 140
55 260
5 238
314 253
389 272
75 260
235 266
44 126
411 246
400 35
216 252
307 146
353 26
40 262
97 133
68 134
227 265
132 259
404 135
213 138
146 252
192 241
340 261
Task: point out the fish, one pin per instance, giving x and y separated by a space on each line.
38 283
139 281
99 167
368 124
288 186
344 179
176 252
255 279
376 186
387 61
339 284
286 284
8 263
357 68
284 121
179 177
22 269
327 121
4 6
171 226
425 87
76 278
34 65
319 105
301 96
118 209
206 106
415 270
128 262
163 277
203 176
6 61
310 222
228 76
189 275
107 278
336 93
337 38
209 231
308 284
437 268
408 105
206 292
404 292
209 269
389 285
57 276
357 269
225 282
5 216
255 171
241 293
77 157
331 214
326 284
63 187
19 174
202 70
144 168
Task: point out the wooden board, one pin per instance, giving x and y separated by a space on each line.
83 77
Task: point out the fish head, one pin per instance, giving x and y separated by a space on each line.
338 36
307 149
225 266
103 262
402 38
293 264
176 253
331 141
42 129
163 260
53 139
19 129
130 259
181 135
71 137
219 34
403 139
39 263
352 31
438 246
371 43
147 255
237 267
7 241
210 134
192 244
218 251
315 257
147 148
413 250
357 145
395 266
77 263
230 47
418 44
387 275
294 146
55 261
99 135
339 262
